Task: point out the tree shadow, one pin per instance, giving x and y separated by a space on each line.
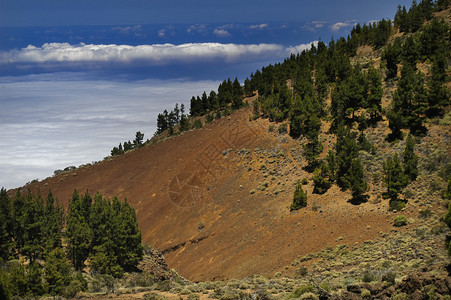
357 200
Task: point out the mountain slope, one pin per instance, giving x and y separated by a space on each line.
215 200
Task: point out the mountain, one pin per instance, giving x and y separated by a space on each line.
216 200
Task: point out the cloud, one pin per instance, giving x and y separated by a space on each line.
302 47
339 25
81 54
198 28
128 29
161 32
259 26
221 33
51 121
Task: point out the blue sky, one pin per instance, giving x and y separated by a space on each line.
77 77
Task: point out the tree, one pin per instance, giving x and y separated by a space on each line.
57 272
6 226
78 233
347 151
375 92
438 96
391 56
395 125
184 123
33 227
410 160
162 123
139 138
18 219
357 180
395 179
321 180
299 198
53 224
131 250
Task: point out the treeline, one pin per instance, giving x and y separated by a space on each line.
43 249
229 97
137 142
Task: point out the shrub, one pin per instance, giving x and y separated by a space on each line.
399 221
365 293
309 296
210 118
303 289
283 128
368 276
197 123
271 128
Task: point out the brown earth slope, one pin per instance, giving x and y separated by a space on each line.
216 200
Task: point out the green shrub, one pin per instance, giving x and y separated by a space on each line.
271 128
399 221
283 128
210 118
365 293
197 123
302 290
368 276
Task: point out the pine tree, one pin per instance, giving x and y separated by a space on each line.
57 272
410 160
395 125
138 142
347 151
299 198
358 184
6 226
391 56
33 226
395 179
162 123
78 233
184 123
321 181
131 250
438 96
53 223
375 92
19 220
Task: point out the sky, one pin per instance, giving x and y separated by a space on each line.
77 77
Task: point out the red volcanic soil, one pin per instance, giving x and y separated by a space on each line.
216 200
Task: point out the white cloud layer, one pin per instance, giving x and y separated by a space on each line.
51 121
158 54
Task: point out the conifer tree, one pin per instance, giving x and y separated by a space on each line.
57 271
438 96
395 179
375 92
321 182
410 160
6 225
19 220
33 225
131 249
299 198
53 223
357 181
395 125
78 232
